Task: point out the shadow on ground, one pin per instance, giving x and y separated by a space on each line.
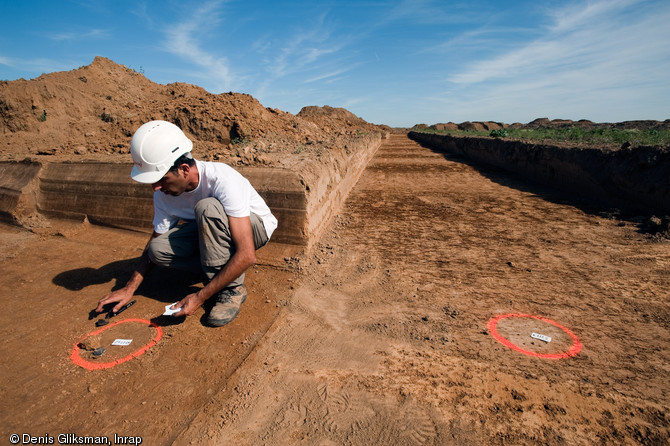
163 284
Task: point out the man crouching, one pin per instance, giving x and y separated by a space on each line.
207 217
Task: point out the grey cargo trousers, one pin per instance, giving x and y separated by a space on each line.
204 244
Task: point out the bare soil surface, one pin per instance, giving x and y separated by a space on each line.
381 335
386 341
51 282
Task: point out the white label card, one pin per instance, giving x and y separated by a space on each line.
169 311
541 337
122 341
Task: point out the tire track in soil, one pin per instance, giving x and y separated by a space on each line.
385 341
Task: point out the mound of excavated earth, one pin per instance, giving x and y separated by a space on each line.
71 133
90 114
548 123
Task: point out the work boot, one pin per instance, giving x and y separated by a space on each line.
227 306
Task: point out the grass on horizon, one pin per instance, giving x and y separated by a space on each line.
599 136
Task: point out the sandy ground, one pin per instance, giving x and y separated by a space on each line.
51 282
380 336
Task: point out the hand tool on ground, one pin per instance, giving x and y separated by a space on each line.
98 352
111 314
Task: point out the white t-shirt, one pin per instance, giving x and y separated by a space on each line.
218 180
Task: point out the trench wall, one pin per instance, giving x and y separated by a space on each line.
303 200
634 179
18 192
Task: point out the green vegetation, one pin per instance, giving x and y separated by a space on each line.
501 133
572 134
239 141
43 116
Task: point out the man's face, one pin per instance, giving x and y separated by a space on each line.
171 183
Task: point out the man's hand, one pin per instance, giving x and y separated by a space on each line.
188 305
121 296
243 258
124 295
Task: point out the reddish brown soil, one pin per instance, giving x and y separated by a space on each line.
51 283
378 337
91 113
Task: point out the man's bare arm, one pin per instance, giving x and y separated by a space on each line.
243 258
124 295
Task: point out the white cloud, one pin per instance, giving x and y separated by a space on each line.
91 34
581 44
37 65
580 14
596 58
355 101
183 41
303 49
331 74
429 12
310 55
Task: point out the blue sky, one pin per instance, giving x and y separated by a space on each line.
390 62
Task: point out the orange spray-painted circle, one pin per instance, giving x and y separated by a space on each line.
492 327
90 365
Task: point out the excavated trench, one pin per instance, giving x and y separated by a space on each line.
303 200
634 180
52 282
55 274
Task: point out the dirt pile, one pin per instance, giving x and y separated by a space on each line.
586 124
467 125
91 113
547 123
336 120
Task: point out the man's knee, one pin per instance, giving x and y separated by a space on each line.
157 252
208 208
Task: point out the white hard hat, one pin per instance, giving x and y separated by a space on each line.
155 147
